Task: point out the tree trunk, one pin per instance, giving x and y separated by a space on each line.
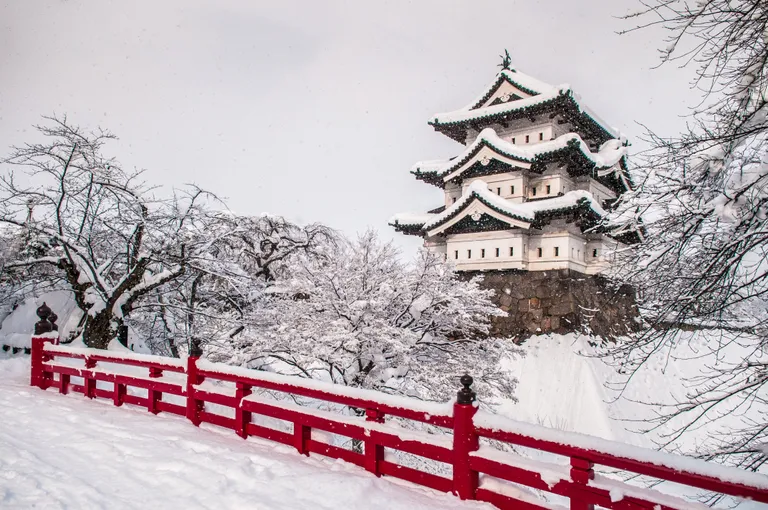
100 329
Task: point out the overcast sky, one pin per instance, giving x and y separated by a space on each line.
314 110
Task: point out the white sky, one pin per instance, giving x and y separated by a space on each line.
314 110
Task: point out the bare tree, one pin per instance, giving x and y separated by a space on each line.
96 224
701 205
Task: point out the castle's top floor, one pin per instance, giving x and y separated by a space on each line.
515 101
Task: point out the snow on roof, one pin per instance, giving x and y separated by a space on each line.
525 211
542 92
570 199
466 114
515 77
609 154
479 189
411 218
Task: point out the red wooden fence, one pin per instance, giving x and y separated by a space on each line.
192 381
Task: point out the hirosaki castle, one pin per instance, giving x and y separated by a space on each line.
537 173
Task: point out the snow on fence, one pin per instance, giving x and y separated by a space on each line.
193 383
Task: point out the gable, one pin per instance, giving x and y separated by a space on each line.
487 161
505 93
476 210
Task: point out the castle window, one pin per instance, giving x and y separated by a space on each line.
513 140
511 251
571 252
512 190
469 254
541 136
482 253
578 254
549 189
557 251
533 191
540 251
594 253
454 200
497 252
498 191
456 254
527 139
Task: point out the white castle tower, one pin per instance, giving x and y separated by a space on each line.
538 172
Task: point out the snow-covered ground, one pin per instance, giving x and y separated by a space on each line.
60 452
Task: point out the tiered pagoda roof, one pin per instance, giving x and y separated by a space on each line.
504 156
496 213
590 148
514 95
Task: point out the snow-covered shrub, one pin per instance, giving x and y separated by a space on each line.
361 317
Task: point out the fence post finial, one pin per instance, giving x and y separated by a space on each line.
43 325
465 395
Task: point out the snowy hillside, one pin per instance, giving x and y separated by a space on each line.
66 452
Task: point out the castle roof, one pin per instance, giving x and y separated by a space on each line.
521 215
604 161
514 94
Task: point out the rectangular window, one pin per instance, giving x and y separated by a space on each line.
511 190
549 189
541 136
540 251
527 139
454 200
594 253
469 254
497 252
513 140
557 251
578 254
533 191
482 253
498 191
456 254
511 251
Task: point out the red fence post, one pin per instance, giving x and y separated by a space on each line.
153 396
119 394
581 473
374 453
301 437
465 441
242 418
194 406
89 384
37 359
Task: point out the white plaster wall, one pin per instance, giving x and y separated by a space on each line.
452 193
557 183
599 191
535 134
459 246
502 184
575 252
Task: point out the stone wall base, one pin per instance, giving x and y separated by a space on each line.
559 301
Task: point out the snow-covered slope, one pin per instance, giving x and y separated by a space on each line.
559 388
564 386
61 452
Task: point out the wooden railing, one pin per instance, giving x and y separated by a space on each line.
479 472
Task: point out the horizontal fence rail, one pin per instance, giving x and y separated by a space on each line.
197 389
